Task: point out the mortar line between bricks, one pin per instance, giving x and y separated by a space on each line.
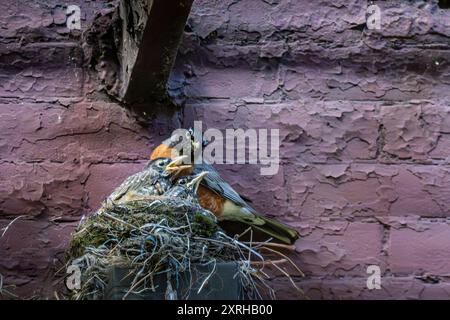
12 98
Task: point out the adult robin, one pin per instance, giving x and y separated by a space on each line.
155 179
217 196
174 146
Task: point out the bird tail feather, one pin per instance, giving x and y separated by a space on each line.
277 230
267 225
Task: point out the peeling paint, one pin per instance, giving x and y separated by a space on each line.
363 117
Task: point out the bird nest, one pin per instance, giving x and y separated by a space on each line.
157 237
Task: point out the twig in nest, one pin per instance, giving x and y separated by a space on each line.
287 258
119 220
265 285
10 224
259 263
244 233
243 245
290 278
208 277
250 244
274 245
3 290
136 285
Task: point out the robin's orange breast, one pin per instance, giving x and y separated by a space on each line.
211 201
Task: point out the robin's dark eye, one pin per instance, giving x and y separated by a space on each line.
182 181
161 163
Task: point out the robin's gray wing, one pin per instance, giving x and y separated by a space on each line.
215 182
133 182
246 199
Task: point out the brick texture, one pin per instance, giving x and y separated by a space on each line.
364 119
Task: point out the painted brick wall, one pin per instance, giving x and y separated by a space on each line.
363 115
63 148
364 122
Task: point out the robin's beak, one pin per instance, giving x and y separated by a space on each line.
194 183
176 165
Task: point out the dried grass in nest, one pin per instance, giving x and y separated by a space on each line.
163 236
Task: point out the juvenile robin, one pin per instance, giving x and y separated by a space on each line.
186 187
217 196
155 179
184 190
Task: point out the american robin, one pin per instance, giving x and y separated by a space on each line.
174 146
217 196
155 179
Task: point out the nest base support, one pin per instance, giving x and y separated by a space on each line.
222 285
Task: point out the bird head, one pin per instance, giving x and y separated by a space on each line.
181 142
168 166
192 182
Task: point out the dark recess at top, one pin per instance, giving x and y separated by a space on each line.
444 4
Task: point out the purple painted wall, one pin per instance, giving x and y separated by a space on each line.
363 115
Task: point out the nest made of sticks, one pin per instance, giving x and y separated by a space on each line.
162 236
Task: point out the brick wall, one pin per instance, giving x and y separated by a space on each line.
63 147
363 116
364 122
